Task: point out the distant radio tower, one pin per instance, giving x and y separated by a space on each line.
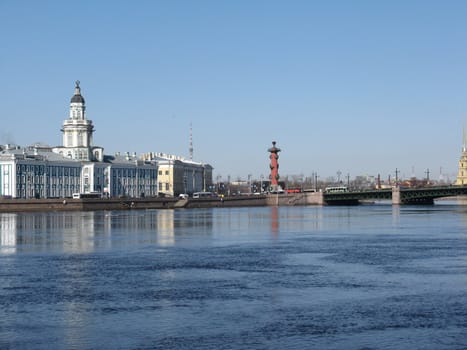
191 143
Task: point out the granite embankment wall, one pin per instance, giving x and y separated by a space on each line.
44 205
237 201
303 198
284 199
41 205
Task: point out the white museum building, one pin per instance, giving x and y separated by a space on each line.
75 167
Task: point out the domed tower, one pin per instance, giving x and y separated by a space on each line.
274 165
77 106
78 131
462 172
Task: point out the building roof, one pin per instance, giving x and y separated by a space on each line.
33 153
125 159
164 158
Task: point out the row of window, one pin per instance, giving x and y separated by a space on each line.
42 191
76 171
52 170
40 179
148 173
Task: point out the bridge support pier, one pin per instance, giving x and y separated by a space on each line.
409 197
396 195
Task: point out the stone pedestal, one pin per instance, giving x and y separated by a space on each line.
396 195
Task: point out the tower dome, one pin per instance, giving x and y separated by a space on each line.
77 98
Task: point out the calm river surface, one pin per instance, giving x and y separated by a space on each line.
366 277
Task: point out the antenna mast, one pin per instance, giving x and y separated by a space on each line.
191 142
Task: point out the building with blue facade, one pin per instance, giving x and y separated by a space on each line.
77 166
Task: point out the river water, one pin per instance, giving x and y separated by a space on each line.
366 277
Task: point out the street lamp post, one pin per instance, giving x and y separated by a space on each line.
218 183
315 179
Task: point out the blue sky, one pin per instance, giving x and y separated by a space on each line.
361 87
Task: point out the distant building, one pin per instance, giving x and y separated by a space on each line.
178 175
462 172
75 167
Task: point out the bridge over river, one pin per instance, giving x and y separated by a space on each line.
397 195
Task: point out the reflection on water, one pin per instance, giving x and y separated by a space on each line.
8 233
374 277
275 220
396 215
84 232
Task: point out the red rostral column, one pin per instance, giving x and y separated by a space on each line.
274 177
